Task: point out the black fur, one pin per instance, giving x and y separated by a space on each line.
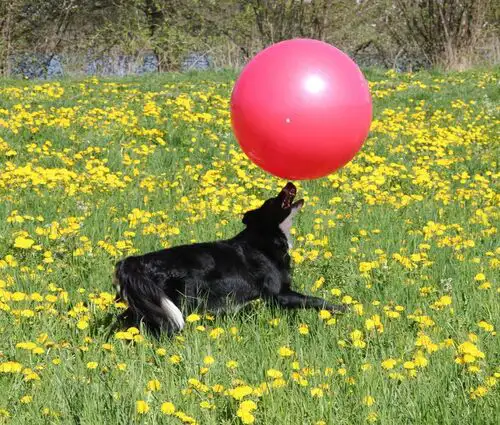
217 275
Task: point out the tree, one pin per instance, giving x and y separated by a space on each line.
444 32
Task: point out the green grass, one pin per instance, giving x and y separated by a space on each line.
432 157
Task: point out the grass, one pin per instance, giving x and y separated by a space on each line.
94 170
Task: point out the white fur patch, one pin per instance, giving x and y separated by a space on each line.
286 224
173 313
123 294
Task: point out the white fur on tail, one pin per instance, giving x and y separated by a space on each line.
173 313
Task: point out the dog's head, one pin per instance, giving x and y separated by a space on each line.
276 212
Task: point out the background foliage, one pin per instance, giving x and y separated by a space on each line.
390 33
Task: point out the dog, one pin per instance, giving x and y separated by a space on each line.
161 287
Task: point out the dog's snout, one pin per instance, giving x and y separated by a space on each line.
290 189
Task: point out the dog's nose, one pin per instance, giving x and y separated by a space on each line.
290 189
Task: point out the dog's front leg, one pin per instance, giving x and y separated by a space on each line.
292 299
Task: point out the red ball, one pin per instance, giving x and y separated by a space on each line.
301 109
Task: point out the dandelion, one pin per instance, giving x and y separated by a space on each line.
303 329
240 392
366 366
273 373
480 277
231 364
274 322
207 405
278 383
217 388
193 318
215 333
317 392
22 242
285 352
245 410
175 359
374 323
245 416
488 327
153 385
478 392
409 365
208 360
141 407
161 352
347 299
389 364
325 315
124 336
167 408
420 360
342 371
26 399
368 400
248 405
336 292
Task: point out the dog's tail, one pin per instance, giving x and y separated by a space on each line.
146 300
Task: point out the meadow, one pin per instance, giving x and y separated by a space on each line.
93 170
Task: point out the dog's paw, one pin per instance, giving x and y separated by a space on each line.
340 308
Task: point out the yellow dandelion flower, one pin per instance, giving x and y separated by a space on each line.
278 383
273 373
141 407
368 400
324 315
215 333
231 364
208 360
285 352
488 327
317 392
303 329
248 405
240 392
153 385
245 416
409 365
274 322
193 318
207 405
389 364
22 242
175 359
26 399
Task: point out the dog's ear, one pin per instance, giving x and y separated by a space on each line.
247 218
251 217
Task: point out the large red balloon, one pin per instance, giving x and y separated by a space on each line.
301 109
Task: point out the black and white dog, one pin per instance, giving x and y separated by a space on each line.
162 286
